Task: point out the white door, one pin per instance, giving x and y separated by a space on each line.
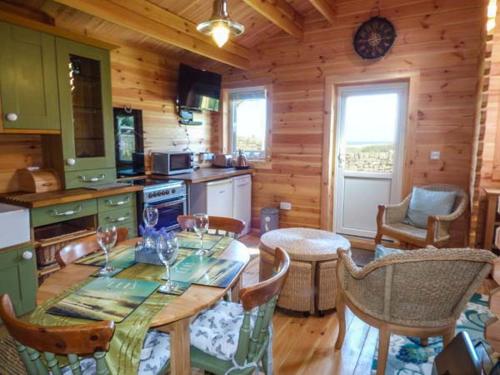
369 146
220 198
242 200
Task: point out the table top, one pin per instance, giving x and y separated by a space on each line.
194 300
305 243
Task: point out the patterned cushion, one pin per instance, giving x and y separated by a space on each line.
154 356
216 331
425 203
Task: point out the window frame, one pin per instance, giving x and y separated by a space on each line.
228 131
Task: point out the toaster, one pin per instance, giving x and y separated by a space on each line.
222 161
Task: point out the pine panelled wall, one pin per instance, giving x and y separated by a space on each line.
439 39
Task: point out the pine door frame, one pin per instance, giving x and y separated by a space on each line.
332 83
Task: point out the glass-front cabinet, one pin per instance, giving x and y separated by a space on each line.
86 113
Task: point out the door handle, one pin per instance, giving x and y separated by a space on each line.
340 159
84 178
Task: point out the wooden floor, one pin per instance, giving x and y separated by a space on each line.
305 346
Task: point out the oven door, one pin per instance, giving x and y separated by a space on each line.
168 212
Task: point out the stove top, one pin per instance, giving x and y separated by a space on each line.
152 182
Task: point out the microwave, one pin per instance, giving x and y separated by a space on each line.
172 163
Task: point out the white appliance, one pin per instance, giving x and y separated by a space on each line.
242 200
214 198
14 225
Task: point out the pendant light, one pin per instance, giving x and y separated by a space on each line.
220 26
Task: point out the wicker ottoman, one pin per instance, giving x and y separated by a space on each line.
311 285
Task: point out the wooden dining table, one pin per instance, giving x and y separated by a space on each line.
176 316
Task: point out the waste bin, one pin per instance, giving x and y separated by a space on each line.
269 219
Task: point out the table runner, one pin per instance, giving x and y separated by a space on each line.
124 354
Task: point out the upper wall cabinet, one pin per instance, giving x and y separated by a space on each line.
85 106
28 81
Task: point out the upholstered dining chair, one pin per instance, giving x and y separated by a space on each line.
221 225
79 248
391 221
419 293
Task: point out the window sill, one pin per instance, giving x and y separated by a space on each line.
261 164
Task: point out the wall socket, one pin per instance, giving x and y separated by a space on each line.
285 205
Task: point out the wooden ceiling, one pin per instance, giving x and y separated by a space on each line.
148 24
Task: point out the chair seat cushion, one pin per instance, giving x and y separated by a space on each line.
425 203
382 251
216 331
154 356
408 230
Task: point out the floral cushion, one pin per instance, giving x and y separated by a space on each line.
216 331
154 356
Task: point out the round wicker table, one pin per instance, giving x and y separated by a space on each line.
311 285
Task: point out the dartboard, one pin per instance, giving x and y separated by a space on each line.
374 38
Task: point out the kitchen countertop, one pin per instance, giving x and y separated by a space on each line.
35 200
207 174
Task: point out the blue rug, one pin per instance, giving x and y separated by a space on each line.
407 357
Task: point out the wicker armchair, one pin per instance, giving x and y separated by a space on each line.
390 221
417 293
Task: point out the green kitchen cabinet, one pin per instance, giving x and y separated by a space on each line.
28 80
119 210
84 77
18 276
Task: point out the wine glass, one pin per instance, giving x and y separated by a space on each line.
106 238
201 227
150 216
166 250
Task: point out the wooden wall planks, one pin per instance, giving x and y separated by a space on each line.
140 79
441 40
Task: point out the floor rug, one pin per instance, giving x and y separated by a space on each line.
407 356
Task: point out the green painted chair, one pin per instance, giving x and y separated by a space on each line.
38 346
236 339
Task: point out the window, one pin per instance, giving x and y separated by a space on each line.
248 122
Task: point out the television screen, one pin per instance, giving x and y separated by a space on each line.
198 89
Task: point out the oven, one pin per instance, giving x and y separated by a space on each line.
169 197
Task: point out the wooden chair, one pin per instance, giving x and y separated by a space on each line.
229 226
79 248
254 345
419 293
38 346
390 221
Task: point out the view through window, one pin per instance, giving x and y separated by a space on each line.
248 121
371 128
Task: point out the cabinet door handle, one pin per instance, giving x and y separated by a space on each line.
117 219
27 255
67 213
110 202
84 178
11 116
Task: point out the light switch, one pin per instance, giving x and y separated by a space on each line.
435 155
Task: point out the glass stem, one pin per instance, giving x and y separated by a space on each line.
167 275
202 250
106 255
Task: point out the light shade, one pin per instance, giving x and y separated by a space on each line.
220 27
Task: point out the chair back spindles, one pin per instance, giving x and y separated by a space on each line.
219 225
74 341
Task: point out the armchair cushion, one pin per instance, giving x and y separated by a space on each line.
382 251
425 203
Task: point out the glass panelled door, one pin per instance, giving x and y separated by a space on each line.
86 112
370 130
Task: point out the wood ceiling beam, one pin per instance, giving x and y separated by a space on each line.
130 19
281 14
325 8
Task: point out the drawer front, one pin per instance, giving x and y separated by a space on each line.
117 217
84 178
116 201
62 212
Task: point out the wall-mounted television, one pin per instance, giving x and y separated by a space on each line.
198 89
